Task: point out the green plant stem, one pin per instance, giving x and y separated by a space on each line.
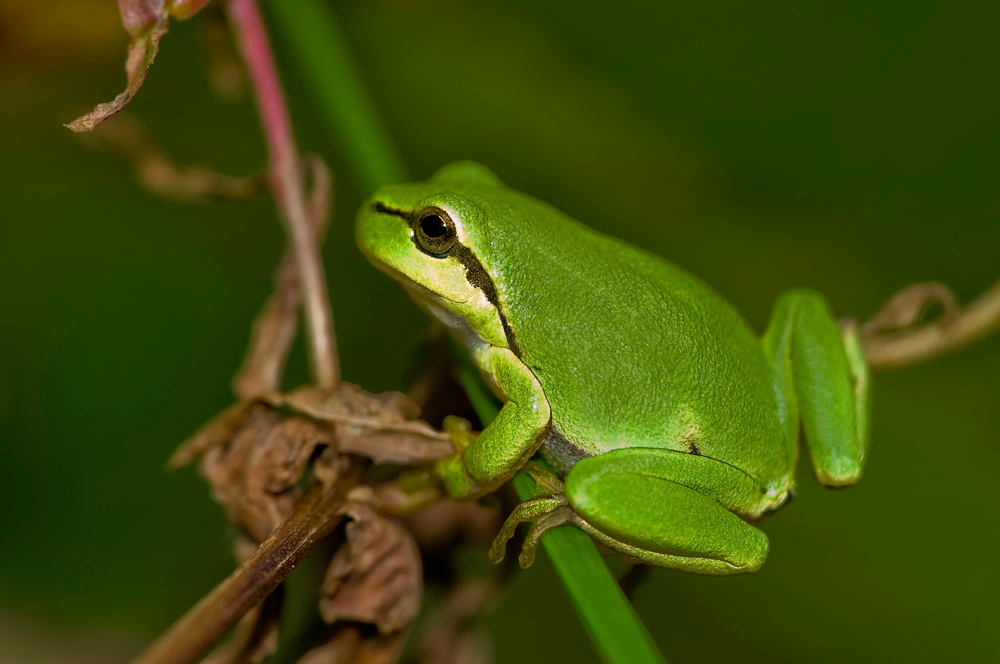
316 41
615 629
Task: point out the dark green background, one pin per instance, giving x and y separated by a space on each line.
849 147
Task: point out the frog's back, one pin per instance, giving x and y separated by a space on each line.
633 351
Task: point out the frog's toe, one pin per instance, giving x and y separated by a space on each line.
557 517
535 510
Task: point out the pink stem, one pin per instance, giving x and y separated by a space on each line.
289 186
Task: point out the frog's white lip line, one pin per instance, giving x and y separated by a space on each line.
409 282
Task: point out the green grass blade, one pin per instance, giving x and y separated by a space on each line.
616 631
314 37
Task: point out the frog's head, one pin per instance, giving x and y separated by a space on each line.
426 235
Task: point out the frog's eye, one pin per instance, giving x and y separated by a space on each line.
436 231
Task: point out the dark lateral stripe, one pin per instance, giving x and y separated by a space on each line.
479 279
474 272
382 208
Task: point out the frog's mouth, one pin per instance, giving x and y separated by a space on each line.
416 289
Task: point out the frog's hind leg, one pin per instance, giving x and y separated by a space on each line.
670 509
820 375
656 506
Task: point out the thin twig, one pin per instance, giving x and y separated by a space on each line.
314 517
903 349
289 186
158 173
276 325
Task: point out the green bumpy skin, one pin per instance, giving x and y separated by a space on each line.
674 427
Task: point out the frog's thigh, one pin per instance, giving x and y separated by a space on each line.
665 508
820 374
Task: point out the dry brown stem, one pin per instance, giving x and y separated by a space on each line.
289 186
275 328
959 327
158 174
314 517
255 636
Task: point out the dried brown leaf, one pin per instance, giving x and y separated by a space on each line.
383 427
254 472
254 455
375 577
147 22
216 432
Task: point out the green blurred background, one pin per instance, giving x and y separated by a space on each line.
850 147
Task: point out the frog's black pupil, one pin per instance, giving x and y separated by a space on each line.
433 226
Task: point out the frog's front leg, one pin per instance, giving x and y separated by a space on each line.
820 375
510 439
657 506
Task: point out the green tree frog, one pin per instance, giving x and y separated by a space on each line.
671 427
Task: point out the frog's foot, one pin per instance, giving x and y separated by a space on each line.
544 513
547 509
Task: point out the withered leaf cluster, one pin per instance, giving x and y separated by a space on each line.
259 455
255 453
255 456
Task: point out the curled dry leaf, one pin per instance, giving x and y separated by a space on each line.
146 22
383 427
908 306
216 432
375 577
254 453
254 474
